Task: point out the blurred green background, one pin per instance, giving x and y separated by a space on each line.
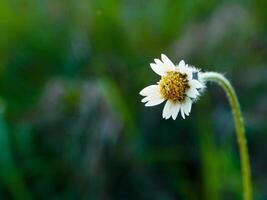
71 122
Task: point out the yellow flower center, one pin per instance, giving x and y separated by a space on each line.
173 86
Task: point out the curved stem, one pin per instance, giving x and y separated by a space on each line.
239 125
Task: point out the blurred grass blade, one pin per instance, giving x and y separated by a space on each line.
9 174
118 104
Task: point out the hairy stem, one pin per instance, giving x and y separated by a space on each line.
239 126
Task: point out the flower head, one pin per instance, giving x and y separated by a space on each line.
178 86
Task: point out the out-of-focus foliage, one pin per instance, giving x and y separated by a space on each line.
71 122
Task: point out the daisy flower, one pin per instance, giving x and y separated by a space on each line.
178 86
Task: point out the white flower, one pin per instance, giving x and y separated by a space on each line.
178 86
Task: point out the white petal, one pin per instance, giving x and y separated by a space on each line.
182 113
175 110
154 102
157 69
163 67
181 66
189 72
155 94
152 89
148 98
167 61
187 106
144 100
167 110
171 109
196 84
158 62
192 92
185 69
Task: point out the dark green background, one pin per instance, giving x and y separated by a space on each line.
71 122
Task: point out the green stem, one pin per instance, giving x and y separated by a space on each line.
239 125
